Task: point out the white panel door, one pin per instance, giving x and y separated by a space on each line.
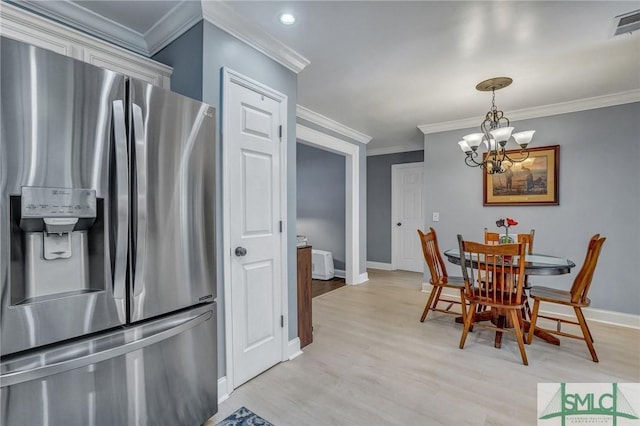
407 215
253 141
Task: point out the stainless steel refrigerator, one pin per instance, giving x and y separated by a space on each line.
107 247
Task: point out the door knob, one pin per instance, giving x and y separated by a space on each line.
399 224
241 251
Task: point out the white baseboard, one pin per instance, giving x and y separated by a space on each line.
379 265
340 273
293 349
362 278
619 319
223 391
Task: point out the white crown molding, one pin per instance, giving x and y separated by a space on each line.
76 16
542 111
29 27
394 149
224 17
329 124
450 125
176 22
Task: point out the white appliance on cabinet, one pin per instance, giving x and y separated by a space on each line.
322 265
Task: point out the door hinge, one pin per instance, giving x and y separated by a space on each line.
281 227
282 321
280 131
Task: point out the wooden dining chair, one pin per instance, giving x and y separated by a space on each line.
439 278
494 238
576 297
480 262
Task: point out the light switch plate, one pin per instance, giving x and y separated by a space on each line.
435 216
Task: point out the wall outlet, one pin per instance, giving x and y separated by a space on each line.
435 216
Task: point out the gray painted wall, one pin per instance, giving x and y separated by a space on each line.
379 202
599 193
321 200
219 49
185 56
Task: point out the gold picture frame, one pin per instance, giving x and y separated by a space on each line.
532 182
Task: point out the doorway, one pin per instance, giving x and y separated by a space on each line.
320 188
312 137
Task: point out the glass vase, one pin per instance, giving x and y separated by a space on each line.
506 239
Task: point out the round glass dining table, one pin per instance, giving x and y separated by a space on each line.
535 264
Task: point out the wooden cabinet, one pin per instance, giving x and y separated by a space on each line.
305 324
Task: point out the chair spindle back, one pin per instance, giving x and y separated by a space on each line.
582 282
489 273
432 256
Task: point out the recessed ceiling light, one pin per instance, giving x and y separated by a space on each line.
287 19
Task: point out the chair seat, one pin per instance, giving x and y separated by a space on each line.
578 292
456 282
555 295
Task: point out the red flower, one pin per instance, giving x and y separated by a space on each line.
511 222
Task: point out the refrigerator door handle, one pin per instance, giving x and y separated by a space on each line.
21 376
122 204
140 140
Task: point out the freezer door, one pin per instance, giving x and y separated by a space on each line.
162 372
173 192
59 119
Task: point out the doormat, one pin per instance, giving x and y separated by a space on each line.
244 417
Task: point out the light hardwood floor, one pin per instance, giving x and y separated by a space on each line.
373 363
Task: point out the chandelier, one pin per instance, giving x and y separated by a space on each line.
496 132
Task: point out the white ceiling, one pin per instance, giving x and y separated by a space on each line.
386 67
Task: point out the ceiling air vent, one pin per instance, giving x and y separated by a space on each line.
627 23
